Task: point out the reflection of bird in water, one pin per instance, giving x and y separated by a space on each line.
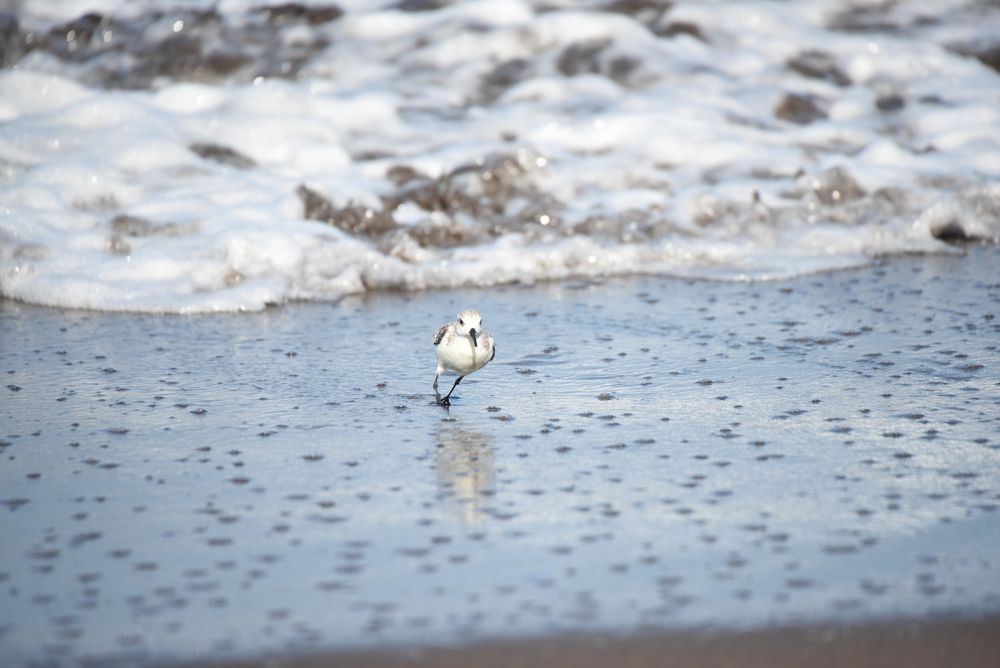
464 464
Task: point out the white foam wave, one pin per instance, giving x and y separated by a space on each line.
729 141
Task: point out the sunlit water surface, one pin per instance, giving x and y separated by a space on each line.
642 454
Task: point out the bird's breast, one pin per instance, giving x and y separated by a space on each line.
483 353
460 355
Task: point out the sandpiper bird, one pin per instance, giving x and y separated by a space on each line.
462 346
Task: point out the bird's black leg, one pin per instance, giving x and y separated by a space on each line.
446 401
436 382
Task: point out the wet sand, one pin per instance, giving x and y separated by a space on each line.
705 471
969 644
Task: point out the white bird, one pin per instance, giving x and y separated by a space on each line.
462 346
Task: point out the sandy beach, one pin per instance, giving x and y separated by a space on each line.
973 644
793 472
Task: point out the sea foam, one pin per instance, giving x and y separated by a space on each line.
196 157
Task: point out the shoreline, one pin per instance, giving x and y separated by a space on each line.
954 250
971 643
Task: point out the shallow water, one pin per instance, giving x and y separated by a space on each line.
646 453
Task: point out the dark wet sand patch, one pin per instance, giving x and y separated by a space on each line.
970 644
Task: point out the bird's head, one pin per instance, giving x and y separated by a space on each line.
470 324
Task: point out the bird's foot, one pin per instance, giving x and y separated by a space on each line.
444 401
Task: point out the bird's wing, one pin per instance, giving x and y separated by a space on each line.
438 335
494 352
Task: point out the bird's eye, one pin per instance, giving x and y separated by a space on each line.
461 322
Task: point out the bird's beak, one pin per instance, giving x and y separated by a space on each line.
472 333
